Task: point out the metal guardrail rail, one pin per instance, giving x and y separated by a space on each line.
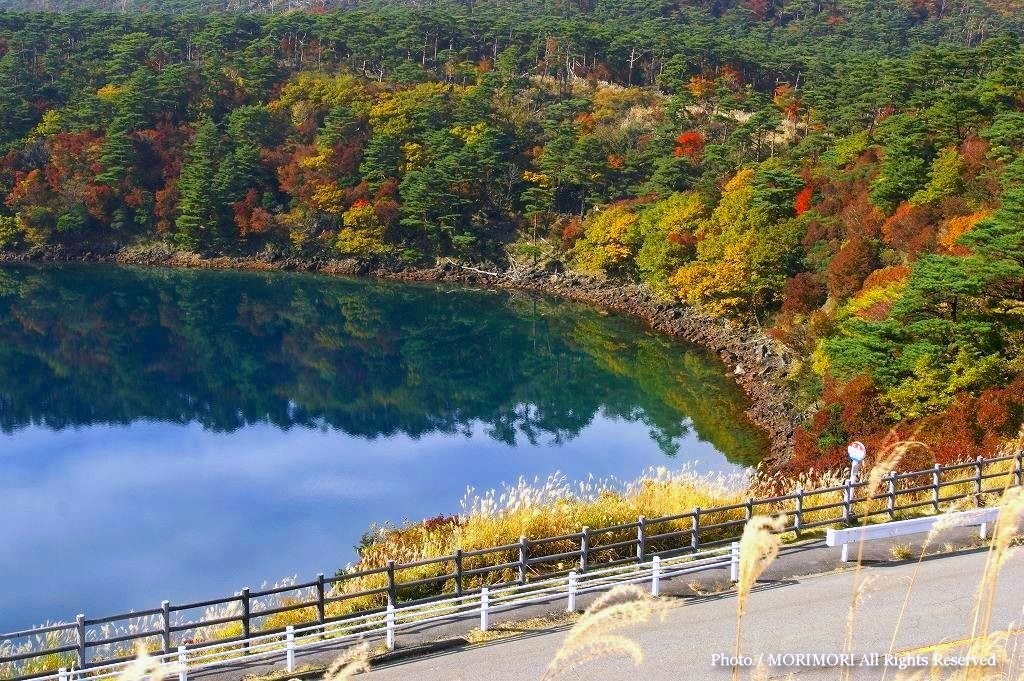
388 624
511 566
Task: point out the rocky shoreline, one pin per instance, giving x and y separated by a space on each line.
760 364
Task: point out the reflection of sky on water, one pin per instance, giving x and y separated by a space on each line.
107 519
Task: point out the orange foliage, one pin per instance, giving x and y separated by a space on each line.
886 276
956 227
731 76
802 200
616 161
701 87
586 122
689 144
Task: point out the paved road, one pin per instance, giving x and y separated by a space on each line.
805 615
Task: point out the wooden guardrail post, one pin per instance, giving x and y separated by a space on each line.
523 546
641 538
749 510
848 501
246 615
321 600
890 502
1019 467
458 572
80 633
392 586
165 616
798 515
695 529
977 481
584 549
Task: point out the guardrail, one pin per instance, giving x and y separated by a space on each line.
466 574
392 621
978 517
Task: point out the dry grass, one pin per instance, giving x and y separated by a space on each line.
598 634
902 551
759 546
511 629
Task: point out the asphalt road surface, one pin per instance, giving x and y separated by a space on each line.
805 615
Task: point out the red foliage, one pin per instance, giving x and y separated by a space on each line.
760 8
250 218
689 144
166 207
860 217
802 200
910 229
850 267
803 293
572 231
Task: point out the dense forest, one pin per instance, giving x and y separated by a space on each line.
847 175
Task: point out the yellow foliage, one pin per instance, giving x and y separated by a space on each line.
470 134
363 233
412 152
724 265
539 179
717 285
323 90
604 246
50 123
329 198
108 92
612 103
390 113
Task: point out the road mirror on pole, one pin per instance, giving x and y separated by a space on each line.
856 451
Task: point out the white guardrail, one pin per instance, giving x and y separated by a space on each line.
981 517
194 658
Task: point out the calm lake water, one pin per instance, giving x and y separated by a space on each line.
183 434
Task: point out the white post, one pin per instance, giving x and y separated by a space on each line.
389 619
983 531
182 664
484 603
734 561
571 606
656 576
62 674
290 642
845 555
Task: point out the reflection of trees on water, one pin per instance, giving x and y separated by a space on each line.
87 345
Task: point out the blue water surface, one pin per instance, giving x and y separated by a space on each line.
181 435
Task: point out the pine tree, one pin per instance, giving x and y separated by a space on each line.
200 205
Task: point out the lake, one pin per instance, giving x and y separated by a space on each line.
182 434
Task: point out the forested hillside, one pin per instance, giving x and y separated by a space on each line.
847 175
